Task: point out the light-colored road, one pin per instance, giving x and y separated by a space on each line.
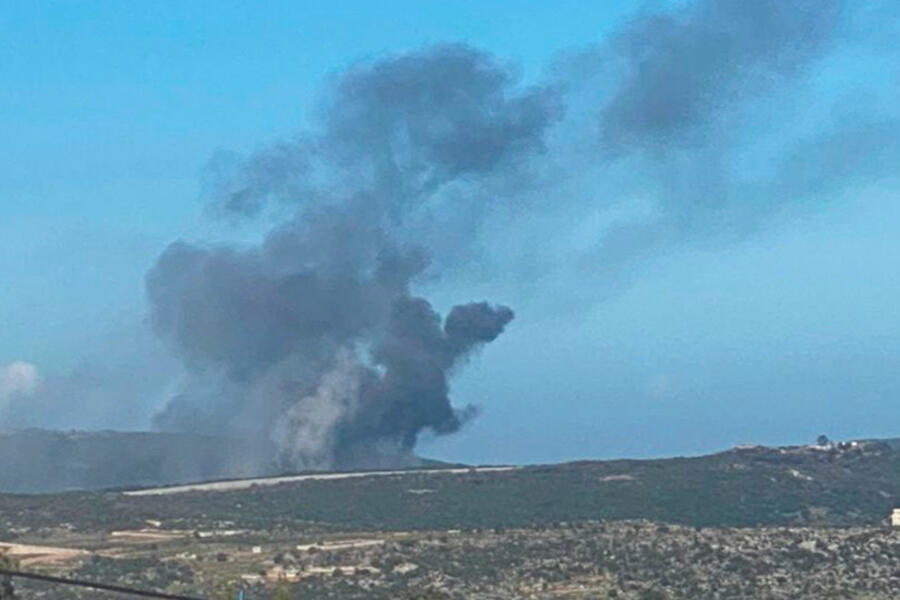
242 484
39 555
340 545
150 536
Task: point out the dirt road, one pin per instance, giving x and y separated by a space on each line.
242 484
40 555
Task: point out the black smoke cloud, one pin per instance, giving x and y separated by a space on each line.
683 69
685 100
393 133
314 340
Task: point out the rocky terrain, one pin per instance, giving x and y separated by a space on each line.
640 560
752 522
637 560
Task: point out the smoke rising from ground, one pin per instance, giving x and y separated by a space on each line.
697 125
17 379
316 341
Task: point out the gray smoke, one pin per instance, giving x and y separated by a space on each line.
314 340
683 69
701 106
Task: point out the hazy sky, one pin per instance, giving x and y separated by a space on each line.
772 331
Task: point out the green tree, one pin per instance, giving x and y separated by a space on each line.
227 590
653 594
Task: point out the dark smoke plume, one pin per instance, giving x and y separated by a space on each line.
314 340
315 343
683 69
680 93
694 125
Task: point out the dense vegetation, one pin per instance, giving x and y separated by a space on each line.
625 561
735 488
544 531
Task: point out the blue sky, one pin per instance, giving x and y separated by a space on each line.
110 110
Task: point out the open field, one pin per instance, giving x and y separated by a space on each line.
29 555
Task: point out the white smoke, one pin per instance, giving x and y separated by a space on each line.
18 378
306 436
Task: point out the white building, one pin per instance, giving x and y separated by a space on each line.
895 517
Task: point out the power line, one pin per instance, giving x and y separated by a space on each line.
94 585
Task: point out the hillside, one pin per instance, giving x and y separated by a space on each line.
40 461
850 485
798 522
